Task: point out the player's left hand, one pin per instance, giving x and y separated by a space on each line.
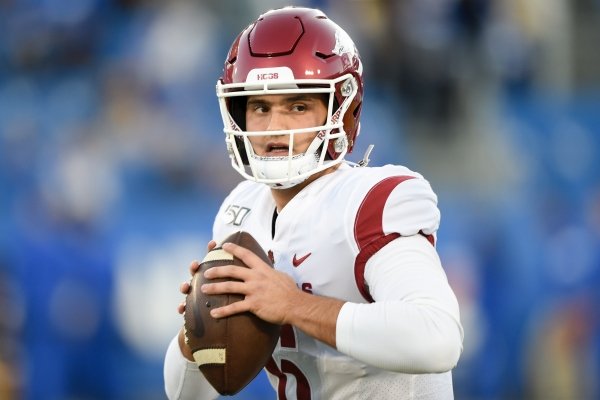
269 293
185 287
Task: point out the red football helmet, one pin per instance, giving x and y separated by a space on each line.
292 50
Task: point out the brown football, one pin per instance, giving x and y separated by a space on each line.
231 351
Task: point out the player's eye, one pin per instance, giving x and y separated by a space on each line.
299 107
259 108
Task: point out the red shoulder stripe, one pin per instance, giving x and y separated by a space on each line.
368 228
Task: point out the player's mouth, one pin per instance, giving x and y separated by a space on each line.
277 149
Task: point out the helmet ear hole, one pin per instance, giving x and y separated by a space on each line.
237 109
239 142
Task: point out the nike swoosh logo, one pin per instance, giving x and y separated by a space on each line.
297 261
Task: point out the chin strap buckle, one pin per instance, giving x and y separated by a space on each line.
365 160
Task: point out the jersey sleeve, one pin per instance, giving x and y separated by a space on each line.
411 323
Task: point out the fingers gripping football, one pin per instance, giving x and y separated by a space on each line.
267 292
185 287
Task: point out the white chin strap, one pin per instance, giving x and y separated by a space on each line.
291 171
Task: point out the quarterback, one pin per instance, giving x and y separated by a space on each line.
365 306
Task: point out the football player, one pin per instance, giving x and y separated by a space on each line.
366 308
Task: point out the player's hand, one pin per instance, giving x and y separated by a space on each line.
184 288
269 293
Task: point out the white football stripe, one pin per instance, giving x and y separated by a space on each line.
217 255
210 356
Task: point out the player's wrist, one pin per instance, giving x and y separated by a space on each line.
296 308
315 315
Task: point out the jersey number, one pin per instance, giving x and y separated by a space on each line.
288 340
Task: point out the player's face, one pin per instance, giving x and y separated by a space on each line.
283 112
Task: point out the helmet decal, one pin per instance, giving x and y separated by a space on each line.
343 43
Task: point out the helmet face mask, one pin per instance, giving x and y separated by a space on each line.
316 57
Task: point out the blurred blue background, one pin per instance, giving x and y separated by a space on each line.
112 165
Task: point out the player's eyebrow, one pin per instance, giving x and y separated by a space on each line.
300 97
287 99
252 101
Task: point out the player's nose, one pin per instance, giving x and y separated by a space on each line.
277 122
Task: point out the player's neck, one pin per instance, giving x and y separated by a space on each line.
284 196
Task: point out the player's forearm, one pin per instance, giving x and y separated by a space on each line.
316 316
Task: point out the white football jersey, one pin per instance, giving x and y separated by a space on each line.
323 239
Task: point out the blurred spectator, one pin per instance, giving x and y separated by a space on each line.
11 328
559 362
